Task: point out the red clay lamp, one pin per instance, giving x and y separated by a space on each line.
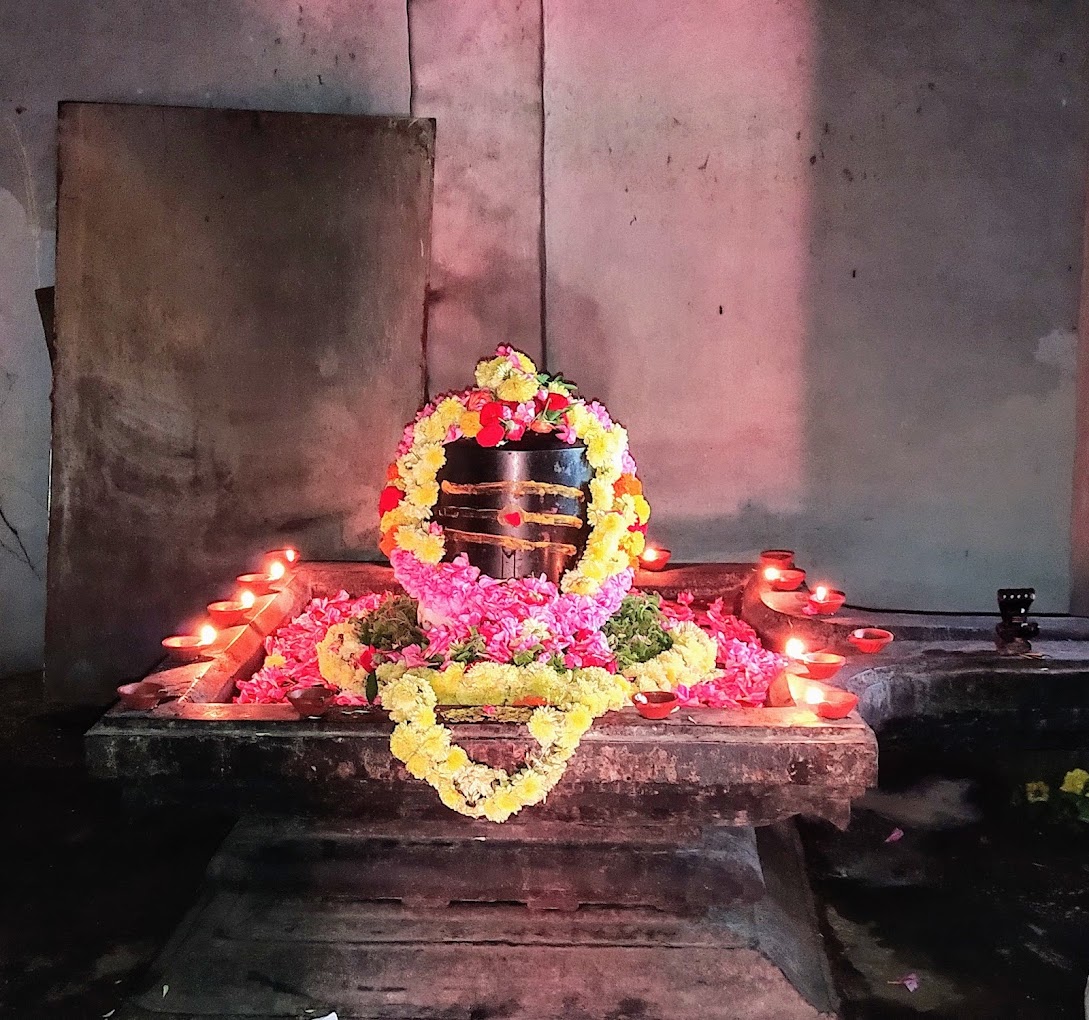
825 601
870 639
190 647
230 613
783 559
654 558
267 583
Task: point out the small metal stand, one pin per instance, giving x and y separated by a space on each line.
1013 633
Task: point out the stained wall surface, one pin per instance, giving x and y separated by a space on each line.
885 201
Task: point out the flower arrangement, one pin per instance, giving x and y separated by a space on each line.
561 654
512 397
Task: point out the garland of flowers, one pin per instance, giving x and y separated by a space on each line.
511 398
425 746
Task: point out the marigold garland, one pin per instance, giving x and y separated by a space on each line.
425 746
511 398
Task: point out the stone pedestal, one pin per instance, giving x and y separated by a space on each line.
661 880
524 922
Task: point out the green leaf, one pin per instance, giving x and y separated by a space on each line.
372 687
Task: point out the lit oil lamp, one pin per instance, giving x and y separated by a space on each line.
783 559
825 601
289 557
654 558
267 583
190 647
794 648
232 613
826 702
784 578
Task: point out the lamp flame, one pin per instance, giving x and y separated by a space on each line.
291 555
276 571
794 648
821 594
813 695
651 554
247 599
772 574
207 634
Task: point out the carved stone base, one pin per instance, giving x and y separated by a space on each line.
563 922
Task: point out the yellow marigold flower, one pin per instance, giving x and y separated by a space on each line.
634 543
601 494
491 372
424 494
494 813
430 548
642 509
544 726
449 411
457 759
1036 793
505 799
429 430
578 719
517 387
1074 781
432 457
402 743
526 362
470 423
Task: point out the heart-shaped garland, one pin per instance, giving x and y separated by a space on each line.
481 791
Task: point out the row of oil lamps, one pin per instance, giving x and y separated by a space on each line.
232 612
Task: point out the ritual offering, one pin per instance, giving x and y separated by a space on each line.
514 518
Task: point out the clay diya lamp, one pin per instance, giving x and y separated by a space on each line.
264 584
826 702
190 647
141 696
870 639
836 704
654 558
824 601
288 557
655 704
822 665
232 613
781 559
789 579
311 702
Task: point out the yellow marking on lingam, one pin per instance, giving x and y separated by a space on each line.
509 542
515 488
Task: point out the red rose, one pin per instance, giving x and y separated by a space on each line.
365 659
390 498
491 434
492 411
556 402
511 517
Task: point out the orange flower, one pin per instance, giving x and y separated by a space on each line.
628 485
392 474
388 542
470 423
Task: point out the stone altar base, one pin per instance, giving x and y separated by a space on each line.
527 921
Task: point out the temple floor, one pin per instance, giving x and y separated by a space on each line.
991 914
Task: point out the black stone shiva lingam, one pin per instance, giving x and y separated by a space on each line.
1013 633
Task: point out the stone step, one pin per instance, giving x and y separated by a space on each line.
399 971
438 864
349 922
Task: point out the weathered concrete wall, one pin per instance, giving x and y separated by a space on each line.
824 258
341 56
885 200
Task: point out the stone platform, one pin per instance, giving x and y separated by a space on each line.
661 879
302 919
